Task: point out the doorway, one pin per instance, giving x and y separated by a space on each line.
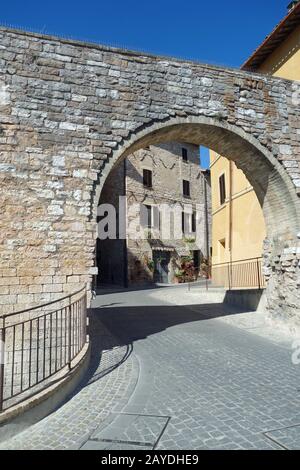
161 261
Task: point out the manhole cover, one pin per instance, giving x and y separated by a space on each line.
129 431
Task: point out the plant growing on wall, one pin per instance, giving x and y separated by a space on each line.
148 233
189 239
186 259
150 264
188 269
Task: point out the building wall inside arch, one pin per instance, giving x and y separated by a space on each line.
174 246
238 227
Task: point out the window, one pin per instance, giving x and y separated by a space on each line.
156 218
196 259
147 178
186 188
146 216
185 222
184 154
194 220
222 189
223 243
222 248
150 216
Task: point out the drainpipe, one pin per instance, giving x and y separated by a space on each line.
206 229
206 218
230 215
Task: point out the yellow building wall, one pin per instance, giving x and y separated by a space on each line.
220 227
248 227
241 211
285 60
244 214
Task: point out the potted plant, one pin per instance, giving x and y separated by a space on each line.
187 266
179 276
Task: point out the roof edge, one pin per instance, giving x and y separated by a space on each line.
248 64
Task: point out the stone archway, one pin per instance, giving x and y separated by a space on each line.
72 109
274 189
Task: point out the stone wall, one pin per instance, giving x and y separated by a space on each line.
69 111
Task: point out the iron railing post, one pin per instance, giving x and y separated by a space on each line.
70 334
2 363
240 273
11 370
84 318
228 274
258 273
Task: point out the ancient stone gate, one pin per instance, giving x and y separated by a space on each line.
70 110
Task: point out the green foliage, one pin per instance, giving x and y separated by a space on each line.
179 273
150 265
189 239
186 259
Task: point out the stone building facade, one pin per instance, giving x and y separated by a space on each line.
168 202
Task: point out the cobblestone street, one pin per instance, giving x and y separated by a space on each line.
178 370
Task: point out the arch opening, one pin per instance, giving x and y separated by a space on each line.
274 189
272 185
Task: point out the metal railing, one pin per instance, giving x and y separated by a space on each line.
239 274
39 343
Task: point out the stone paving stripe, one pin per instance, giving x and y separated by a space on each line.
103 445
288 438
131 428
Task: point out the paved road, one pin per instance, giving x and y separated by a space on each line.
196 375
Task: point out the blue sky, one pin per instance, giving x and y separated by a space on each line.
217 31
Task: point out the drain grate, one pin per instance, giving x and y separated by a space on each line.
129 431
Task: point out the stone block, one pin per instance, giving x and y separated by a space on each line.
8 300
9 281
73 279
49 288
25 299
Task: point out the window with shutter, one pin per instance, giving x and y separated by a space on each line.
156 218
147 178
146 216
186 222
184 154
194 222
186 188
222 189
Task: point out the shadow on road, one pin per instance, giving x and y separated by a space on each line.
129 324
111 326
